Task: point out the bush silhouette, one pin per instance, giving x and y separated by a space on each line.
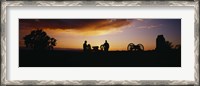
39 40
169 45
178 47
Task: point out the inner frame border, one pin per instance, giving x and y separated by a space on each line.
4 5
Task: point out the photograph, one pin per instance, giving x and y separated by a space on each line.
100 42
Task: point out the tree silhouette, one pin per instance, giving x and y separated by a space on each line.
39 40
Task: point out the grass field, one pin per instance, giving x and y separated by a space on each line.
66 58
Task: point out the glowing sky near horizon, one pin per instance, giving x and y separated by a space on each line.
71 33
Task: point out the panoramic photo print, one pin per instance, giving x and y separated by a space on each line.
99 42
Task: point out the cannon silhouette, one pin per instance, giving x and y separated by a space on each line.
133 47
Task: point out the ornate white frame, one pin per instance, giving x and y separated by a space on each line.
5 4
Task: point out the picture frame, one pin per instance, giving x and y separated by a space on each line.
4 38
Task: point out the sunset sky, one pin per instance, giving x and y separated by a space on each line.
71 33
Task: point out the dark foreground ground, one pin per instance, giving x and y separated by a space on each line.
61 58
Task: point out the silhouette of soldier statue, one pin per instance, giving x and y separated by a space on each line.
85 46
106 46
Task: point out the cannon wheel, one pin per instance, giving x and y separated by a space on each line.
141 47
102 47
130 47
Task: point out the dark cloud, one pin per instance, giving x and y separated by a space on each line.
84 27
77 24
